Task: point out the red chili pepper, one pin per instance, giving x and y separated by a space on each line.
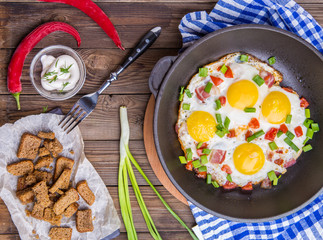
96 13
298 131
271 134
283 128
25 46
216 80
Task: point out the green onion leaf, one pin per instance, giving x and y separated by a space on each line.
208 179
202 169
196 163
271 175
218 104
243 58
199 145
189 154
188 93
229 178
257 79
186 106
309 133
275 182
307 148
218 118
255 135
220 133
226 122
182 159
290 135
279 133
273 146
203 72
250 109
315 127
206 151
306 140
307 113
204 159
182 90
308 122
288 119
291 144
181 96
215 184
208 87
224 69
272 60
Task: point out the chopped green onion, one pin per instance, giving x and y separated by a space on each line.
220 133
279 133
307 113
255 135
206 151
186 106
315 127
189 154
203 72
218 118
291 144
273 146
208 179
199 145
202 169
182 159
272 60
306 140
224 69
208 87
182 90
288 119
308 122
290 135
220 127
204 159
309 133
196 163
307 148
215 184
181 96
218 104
257 79
250 109
243 58
226 122
271 175
229 178
275 182
188 93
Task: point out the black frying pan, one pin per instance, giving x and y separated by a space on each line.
302 67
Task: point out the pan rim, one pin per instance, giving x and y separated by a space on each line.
157 105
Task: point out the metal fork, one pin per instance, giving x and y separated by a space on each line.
86 104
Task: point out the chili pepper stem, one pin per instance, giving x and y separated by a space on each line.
16 96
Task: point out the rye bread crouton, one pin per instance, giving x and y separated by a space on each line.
21 168
44 162
38 211
47 135
71 209
54 146
64 201
51 217
43 152
41 193
43 176
26 181
85 192
61 164
62 182
84 221
28 147
25 196
60 233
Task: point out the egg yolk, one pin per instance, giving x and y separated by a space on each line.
201 126
275 107
248 158
242 94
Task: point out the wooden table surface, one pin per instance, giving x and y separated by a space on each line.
101 130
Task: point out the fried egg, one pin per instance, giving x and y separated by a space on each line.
232 122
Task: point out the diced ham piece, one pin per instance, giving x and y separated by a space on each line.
226 168
267 77
201 94
289 163
229 185
200 152
247 187
266 184
304 103
217 156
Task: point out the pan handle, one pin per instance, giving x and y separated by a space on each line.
159 72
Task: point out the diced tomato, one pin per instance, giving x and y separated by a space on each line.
248 134
216 80
201 94
222 100
283 128
289 163
271 134
254 123
266 184
279 151
247 187
226 168
298 131
189 166
229 185
304 103
279 161
217 156
267 77
228 73
288 89
201 175
232 133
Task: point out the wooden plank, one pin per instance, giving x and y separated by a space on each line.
131 20
99 63
102 124
162 218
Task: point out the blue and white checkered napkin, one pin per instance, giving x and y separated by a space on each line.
307 223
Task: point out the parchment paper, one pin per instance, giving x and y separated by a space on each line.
105 218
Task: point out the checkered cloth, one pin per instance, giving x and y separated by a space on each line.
307 223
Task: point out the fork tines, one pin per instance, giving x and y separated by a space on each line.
72 118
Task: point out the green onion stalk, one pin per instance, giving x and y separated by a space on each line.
125 167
